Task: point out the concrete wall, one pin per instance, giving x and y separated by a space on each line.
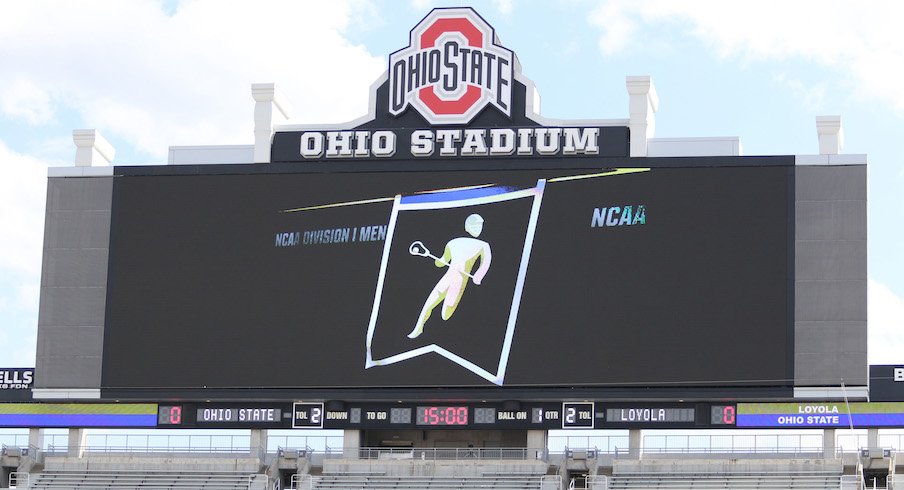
830 255
73 283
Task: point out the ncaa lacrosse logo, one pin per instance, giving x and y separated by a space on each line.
451 69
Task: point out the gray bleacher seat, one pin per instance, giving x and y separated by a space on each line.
147 480
816 480
367 482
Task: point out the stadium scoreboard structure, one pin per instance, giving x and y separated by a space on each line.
456 247
510 415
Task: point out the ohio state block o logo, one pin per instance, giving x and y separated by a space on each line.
451 69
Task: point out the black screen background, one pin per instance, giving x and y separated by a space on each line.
199 296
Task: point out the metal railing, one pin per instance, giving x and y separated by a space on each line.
357 482
731 442
215 443
194 450
12 439
294 452
605 444
148 443
785 452
436 454
297 481
19 479
15 450
317 443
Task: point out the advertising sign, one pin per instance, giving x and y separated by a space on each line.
16 384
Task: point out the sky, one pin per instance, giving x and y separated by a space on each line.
152 74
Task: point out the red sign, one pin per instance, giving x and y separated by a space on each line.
451 70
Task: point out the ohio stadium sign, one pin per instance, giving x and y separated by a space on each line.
453 93
451 70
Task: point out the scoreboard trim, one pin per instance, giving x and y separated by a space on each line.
509 415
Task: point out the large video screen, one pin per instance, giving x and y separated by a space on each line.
609 277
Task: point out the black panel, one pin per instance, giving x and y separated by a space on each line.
210 296
886 383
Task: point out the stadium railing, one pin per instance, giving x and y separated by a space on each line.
604 444
317 443
717 452
437 454
19 479
349 482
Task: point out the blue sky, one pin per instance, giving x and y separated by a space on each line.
149 74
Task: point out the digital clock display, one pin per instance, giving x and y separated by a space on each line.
442 415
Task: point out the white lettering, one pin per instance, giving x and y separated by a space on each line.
448 137
548 140
384 144
339 144
312 144
581 140
502 141
422 143
474 143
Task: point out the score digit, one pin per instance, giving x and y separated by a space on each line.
307 416
571 415
578 415
723 415
169 415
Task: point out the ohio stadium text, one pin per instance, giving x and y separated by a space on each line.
549 141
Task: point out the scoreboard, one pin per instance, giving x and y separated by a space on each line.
514 415
446 415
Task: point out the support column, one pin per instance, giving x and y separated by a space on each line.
351 441
258 443
270 108
537 441
828 443
831 135
92 149
872 437
78 438
642 106
36 439
635 443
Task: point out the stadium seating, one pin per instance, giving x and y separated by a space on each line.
147 480
367 482
804 481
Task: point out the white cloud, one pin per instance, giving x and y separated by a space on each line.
504 7
618 28
862 42
422 4
886 325
155 80
22 99
812 97
23 191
